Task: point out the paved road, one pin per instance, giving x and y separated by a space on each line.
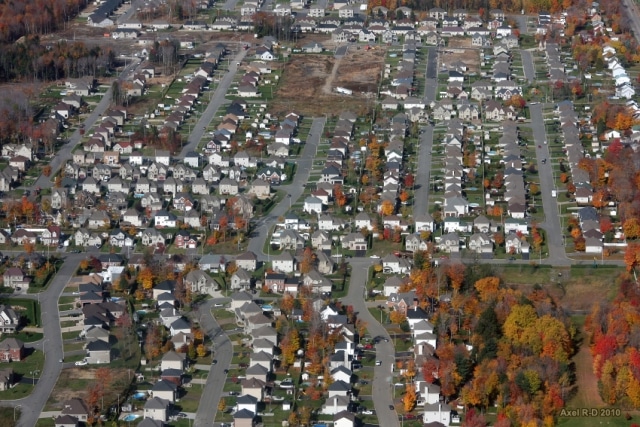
230 5
551 223
385 352
64 154
208 407
215 103
32 405
634 16
421 191
294 190
527 65
521 20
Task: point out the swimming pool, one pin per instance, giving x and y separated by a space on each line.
140 395
131 417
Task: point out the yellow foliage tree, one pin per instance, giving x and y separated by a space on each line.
409 399
487 288
145 278
202 350
397 317
387 208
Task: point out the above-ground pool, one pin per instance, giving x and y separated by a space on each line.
140 395
131 417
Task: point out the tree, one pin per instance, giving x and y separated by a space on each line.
145 278
409 399
46 170
308 260
631 228
488 288
387 208
289 346
201 350
397 317
222 405
404 196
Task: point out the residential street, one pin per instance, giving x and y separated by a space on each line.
64 153
528 66
294 190
32 405
551 224
385 352
216 379
217 99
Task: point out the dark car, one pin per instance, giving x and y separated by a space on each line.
392 408
214 361
226 371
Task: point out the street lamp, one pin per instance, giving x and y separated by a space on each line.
14 411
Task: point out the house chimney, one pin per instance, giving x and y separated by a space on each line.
335 405
415 302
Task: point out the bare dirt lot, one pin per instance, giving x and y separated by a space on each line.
309 81
75 382
460 51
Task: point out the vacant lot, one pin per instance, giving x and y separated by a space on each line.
76 382
452 56
309 81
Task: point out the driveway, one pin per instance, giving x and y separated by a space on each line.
32 405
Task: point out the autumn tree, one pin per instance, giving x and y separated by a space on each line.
409 399
289 346
308 260
145 278
387 208
397 317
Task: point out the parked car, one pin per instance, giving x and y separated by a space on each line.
81 362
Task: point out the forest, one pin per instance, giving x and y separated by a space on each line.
497 346
28 17
615 337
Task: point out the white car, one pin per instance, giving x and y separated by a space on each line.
374 256
81 362
367 412
378 362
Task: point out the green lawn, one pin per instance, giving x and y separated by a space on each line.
25 336
33 362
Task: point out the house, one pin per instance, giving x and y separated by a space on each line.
393 264
312 205
228 186
99 352
247 260
240 280
163 219
9 320
354 242
480 243
11 350
335 405
363 220
244 418
449 243
284 262
76 408
344 418
199 282
437 413
253 387
15 278
157 409
65 421
165 390
415 243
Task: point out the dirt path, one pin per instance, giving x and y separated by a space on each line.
587 395
329 81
